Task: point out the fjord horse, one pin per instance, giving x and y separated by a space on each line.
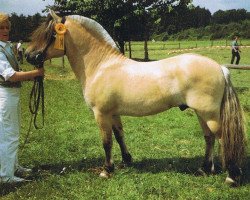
114 85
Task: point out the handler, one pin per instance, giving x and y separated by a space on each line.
10 83
235 51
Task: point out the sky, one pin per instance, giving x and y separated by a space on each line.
31 7
214 5
25 7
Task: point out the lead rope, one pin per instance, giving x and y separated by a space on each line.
36 97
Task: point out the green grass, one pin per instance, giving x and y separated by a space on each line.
160 50
167 148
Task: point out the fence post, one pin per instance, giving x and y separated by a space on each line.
63 62
179 45
129 49
146 58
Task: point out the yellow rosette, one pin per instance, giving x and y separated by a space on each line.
60 31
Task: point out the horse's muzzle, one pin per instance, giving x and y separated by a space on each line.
36 59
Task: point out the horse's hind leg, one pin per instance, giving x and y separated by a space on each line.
208 164
119 136
105 125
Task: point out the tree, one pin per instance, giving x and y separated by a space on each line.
22 26
225 17
123 19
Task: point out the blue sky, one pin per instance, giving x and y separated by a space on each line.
30 7
25 7
214 5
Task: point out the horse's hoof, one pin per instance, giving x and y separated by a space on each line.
107 170
229 181
127 159
105 174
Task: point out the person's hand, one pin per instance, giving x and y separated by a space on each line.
40 71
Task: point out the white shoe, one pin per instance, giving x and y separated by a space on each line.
21 169
12 180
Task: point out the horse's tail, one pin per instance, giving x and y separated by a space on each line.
233 138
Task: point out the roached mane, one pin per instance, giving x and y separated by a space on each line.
95 28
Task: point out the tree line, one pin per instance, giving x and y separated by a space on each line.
142 20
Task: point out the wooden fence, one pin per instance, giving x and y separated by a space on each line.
173 45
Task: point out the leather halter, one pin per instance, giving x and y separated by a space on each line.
39 58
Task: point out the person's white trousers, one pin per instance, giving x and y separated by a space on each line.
9 130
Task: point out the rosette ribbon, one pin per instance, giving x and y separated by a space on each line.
60 31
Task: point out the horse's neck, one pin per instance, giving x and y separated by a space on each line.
85 60
100 56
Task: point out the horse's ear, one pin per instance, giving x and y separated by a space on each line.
55 16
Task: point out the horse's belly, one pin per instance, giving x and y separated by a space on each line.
142 109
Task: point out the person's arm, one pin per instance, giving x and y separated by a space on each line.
234 46
26 76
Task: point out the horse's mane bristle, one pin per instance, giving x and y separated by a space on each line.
96 27
44 32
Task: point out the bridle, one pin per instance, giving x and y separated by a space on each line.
39 58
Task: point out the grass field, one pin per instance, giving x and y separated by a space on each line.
167 149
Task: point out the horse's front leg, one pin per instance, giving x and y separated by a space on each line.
104 122
119 136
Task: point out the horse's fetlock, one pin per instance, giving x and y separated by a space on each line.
208 167
127 158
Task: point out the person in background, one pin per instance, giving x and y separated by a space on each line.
235 51
10 83
20 51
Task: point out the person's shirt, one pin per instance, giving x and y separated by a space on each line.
6 70
235 45
19 46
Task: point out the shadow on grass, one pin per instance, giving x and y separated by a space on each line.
43 171
174 164
184 165
8 188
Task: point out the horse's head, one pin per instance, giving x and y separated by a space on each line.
41 47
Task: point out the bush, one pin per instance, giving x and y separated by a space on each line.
214 31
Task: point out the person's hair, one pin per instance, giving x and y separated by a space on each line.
4 18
